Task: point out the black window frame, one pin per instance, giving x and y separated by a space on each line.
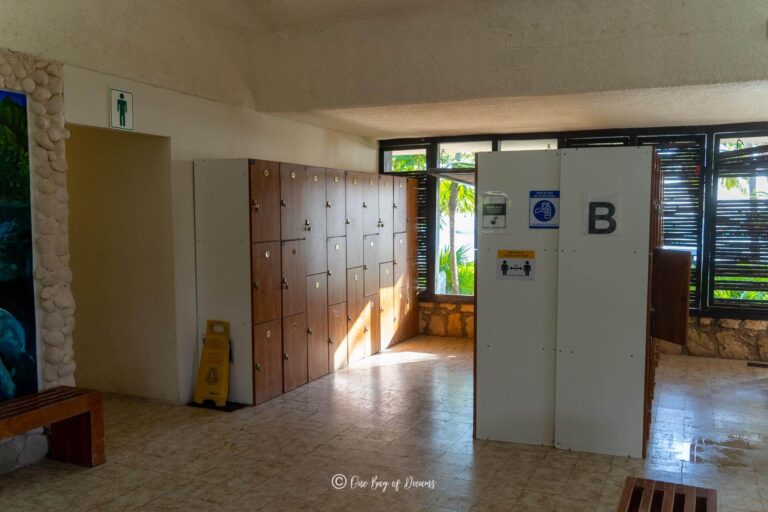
703 304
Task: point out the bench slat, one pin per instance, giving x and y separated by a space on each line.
24 404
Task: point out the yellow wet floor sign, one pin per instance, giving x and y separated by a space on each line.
213 374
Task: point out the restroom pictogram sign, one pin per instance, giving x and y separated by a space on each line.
213 374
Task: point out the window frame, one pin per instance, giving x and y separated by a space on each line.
703 304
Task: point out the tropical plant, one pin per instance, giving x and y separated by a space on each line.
465 271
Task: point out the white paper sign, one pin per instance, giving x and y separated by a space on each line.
515 265
494 211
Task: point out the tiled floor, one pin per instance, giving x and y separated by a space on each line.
405 413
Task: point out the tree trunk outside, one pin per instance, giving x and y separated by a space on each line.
453 201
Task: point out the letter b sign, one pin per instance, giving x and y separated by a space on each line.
601 218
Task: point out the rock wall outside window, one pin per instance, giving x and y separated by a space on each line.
447 319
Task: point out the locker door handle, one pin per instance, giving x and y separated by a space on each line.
282 202
307 225
365 329
330 341
285 355
255 285
381 223
365 205
349 221
256 205
285 283
330 273
381 310
394 205
349 318
365 267
258 367
327 204
309 330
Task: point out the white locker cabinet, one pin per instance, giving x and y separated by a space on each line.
516 319
603 302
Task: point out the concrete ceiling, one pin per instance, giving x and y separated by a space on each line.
396 68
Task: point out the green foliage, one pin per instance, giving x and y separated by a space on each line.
456 160
407 163
14 154
466 271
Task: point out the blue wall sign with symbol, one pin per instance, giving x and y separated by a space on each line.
544 209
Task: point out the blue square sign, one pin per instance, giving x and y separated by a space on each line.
544 209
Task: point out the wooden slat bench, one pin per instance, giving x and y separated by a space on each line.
641 495
76 418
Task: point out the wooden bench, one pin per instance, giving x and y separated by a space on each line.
75 416
642 495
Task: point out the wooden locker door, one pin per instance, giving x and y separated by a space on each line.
293 280
373 326
412 300
387 304
315 222
400 204
335 199
401 312
354 220
371 264
386 218
412 214
370 204
267 361
265 287
317 325
337 270
401 259
265 200
355 315
294 351
293 211
670 283
337 335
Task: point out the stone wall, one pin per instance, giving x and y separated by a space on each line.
726 338
41 81
447 319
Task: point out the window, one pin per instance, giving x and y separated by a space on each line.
528 145
461 155
405 160
740 259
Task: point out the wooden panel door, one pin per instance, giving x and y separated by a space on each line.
294 351
670 289
337 269
412 214
267 361
317 325
370 204
400 204
401 258
355 315
354 220
401 313
337 335
412 300
265 200
386 218
373 325
293 211
293 280
371 264
335 199
266 298
315 222
386 304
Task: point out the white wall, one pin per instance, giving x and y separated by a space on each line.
203 129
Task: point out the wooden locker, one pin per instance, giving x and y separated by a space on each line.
371 264
267 361
317 325
335 199
412 300
386 304
386 218
293 280
401 313
400 204
315 222
670 295
370 203
294 351
337 335
373 325
412 215
265 286
354 220
337 269
401 258
355 315
293 211
265 200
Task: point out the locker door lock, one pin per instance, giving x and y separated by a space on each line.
330 341
258 367
327 204
365 267
394 205
365 205
381 223
307 225
309 330
349 318
256 205
365 329
285 355
285 283
349 221
282 202
330 273
255 285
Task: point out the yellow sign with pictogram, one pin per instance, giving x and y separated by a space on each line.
213 374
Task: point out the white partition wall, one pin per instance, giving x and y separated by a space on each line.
223 263
516 318
602 300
